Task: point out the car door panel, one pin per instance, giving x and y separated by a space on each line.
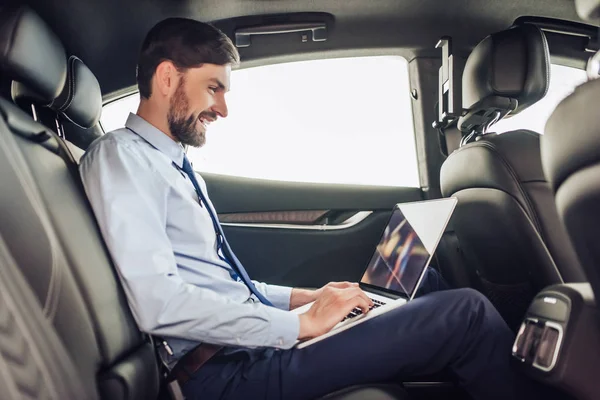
242 195
307 258
278 248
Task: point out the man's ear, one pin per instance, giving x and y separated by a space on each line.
165 78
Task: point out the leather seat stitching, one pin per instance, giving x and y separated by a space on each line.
546 50
51 302
512 173
24 330
515 177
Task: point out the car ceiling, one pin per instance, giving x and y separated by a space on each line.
107 34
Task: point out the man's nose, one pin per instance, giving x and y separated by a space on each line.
220 107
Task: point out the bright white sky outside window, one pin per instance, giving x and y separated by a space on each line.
343 120
563 80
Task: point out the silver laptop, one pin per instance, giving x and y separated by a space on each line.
399 262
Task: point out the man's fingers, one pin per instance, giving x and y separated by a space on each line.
357 292
368 299
342 285
362 304
355 297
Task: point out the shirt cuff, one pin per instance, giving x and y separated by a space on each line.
280 296
285 328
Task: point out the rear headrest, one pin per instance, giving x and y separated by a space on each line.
81 99
31 53
506 73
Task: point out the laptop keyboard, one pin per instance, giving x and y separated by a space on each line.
357 311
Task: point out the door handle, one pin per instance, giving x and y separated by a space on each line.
348 222
318 30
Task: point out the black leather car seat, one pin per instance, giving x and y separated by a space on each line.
34 364
506 221
571 158
49 227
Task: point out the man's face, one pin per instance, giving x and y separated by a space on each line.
198 100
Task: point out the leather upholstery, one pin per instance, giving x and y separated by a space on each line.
511 163
33 362
565 154
25 223
506 221
31 53
572 163
588 10
81 99
50 231
69 270
499 157
506 72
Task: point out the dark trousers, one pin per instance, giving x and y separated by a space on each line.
457 330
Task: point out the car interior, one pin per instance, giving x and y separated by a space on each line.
345 108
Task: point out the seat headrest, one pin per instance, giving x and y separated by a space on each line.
563 155
506 73
81 99
30 53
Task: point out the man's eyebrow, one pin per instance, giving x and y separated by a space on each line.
218 83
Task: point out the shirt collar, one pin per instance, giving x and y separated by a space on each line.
156 138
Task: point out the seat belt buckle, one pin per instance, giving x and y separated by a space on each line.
167 348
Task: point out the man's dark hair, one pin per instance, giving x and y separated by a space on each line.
185 42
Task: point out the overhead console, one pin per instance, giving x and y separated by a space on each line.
558 342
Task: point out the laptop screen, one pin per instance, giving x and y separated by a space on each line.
406 246
399 258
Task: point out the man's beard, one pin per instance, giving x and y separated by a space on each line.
184 127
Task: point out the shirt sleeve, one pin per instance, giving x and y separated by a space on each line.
278 295
130 203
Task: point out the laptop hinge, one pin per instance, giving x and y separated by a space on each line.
384 293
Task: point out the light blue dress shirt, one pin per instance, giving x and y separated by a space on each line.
164 246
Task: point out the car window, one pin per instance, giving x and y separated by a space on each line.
346 120
563 80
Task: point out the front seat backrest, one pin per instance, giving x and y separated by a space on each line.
506 221
571 158
50 230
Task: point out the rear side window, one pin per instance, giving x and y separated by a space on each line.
345 120
563 80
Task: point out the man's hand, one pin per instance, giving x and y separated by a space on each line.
332 305
339 285
301 297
